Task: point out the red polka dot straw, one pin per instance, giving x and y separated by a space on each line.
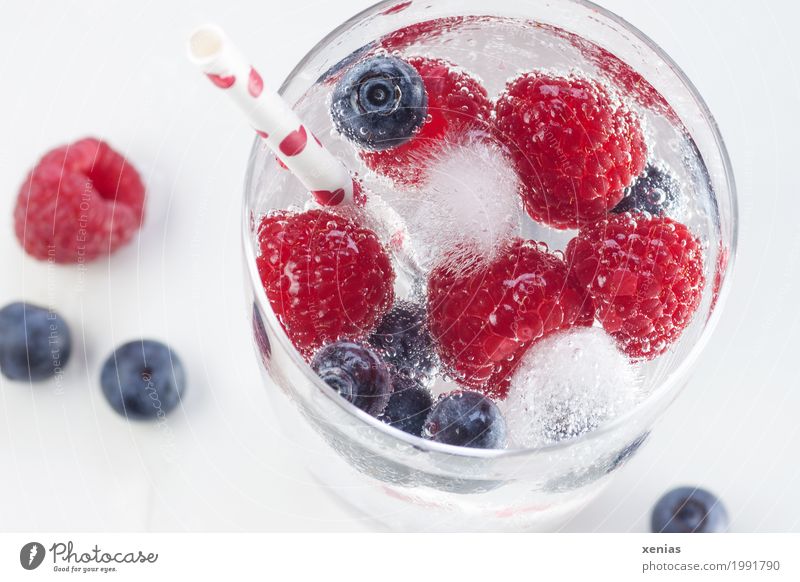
277 124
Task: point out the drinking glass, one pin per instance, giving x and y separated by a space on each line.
404 482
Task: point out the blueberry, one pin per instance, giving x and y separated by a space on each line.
655 191
408 406
689 510
379 103
403 340
466 419
357 373
35 342
143 379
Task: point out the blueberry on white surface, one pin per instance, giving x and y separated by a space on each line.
357 373
35 342
143 379
379 103
689 510
466 419
408 406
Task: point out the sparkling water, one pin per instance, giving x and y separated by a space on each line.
469 206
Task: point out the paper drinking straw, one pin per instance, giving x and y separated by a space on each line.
320 172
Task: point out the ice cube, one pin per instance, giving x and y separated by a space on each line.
467 207
566 385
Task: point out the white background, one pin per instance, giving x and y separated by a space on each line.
117 70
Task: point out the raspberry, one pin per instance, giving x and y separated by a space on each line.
574 145
457 106
645 275
81 201
326 278
484 319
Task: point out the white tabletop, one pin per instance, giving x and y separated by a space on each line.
117 70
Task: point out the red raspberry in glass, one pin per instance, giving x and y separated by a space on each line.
483 318
458 107
326 278
645 276
575 146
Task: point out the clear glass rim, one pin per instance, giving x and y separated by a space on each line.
670 383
